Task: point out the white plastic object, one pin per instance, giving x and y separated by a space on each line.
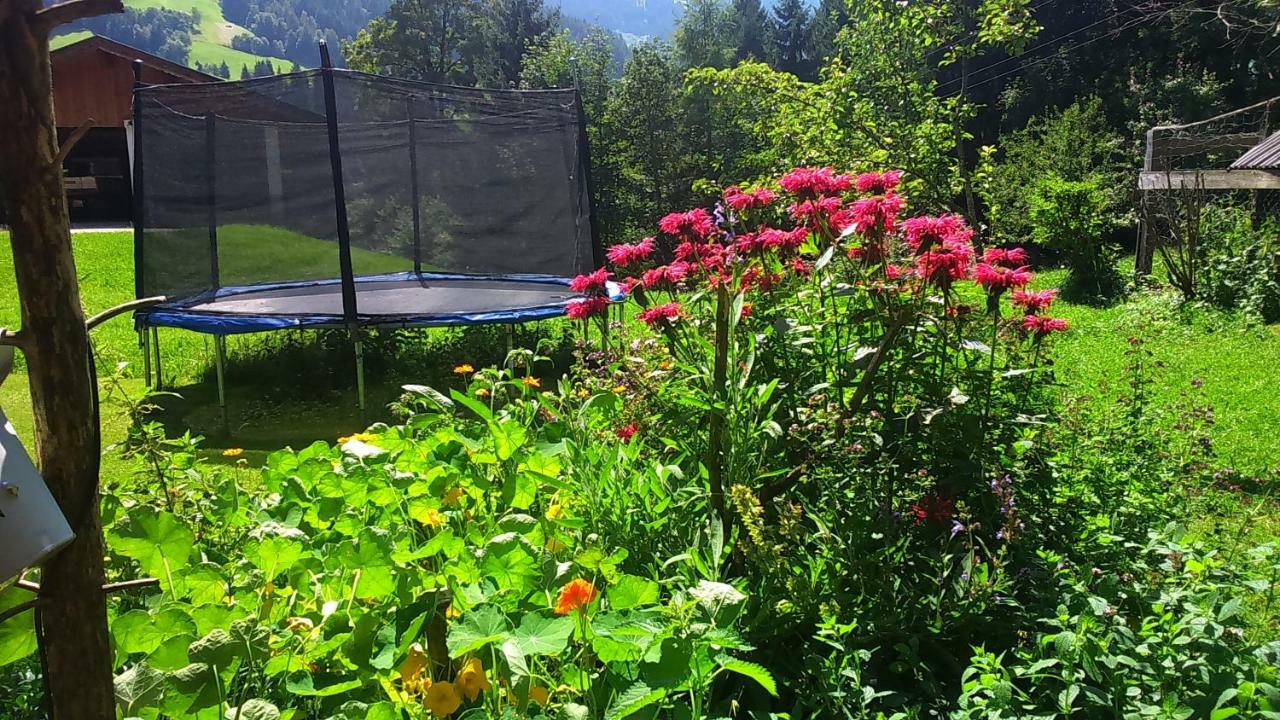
32 526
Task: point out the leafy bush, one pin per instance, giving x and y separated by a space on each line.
1075 144
1241 269
1072 217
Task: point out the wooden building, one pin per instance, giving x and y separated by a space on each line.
93 85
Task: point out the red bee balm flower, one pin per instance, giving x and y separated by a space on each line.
875 183
651 316
591 283
870 214
628 255
1034 302
944 265
1042 325
812 182
576 595
998 278
626 432
584 308
933 508
741 200
922 233
1006 257
693 225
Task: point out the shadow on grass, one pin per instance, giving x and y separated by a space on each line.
294 388
1102 291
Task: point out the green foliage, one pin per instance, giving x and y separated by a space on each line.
1072 217
1076 144
1241 268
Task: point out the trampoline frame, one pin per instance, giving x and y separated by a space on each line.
169 311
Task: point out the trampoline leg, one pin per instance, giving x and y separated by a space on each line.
145 346
220 348
155 344
360 376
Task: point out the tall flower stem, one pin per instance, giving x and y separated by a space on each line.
719 396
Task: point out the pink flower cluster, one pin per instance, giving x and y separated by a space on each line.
623 256
694 226
655 314
809 183
741 200
595 285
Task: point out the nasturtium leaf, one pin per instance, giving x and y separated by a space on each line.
519 490
255 709
508 436
303 685
511 562
172 653
539 634
138 631
514 655
480 627
157 540
251 640
370 557
138 687
632 591
191 688
382 711
217 649
281 664
574 711
273 555
205 584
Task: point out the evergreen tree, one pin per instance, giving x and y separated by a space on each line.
431 40
830 17
508 28
244 72
792 35
705 36
752 31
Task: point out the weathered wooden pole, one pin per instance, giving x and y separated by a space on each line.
55 341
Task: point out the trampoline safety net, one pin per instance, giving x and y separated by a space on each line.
237 182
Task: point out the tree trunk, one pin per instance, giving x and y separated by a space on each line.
76 649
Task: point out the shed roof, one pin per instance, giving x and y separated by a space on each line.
1263 156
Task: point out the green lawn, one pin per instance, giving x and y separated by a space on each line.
1235 361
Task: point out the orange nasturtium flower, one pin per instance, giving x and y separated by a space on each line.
413 671
463 369
472 679
539 694
531 381
577 595
442 699
431 518
452 496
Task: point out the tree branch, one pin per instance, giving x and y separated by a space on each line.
72 139
72 10
20 608
109 313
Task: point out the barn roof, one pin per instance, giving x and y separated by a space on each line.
179 73
1263 156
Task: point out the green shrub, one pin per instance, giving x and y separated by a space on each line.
1075 144
1241 268
1072 217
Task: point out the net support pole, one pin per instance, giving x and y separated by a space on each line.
588 182
340 208
145 346
416 199
139 206
220 359
211 198
155 346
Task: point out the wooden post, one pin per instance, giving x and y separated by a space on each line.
75 643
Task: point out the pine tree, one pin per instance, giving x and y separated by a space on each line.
244 72
223 70
792 28
705 36
508 28
752 25
830 17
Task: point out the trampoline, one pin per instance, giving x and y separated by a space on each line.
330 198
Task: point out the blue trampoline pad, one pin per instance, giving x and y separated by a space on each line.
400 300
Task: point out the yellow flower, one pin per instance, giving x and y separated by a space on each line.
452 612
619 389
414 666
442 699
463 369
453 496
344 439
539 694
555 512
582 393
482 393
233 452
531 381
666 364
554 545
472 679
431 518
